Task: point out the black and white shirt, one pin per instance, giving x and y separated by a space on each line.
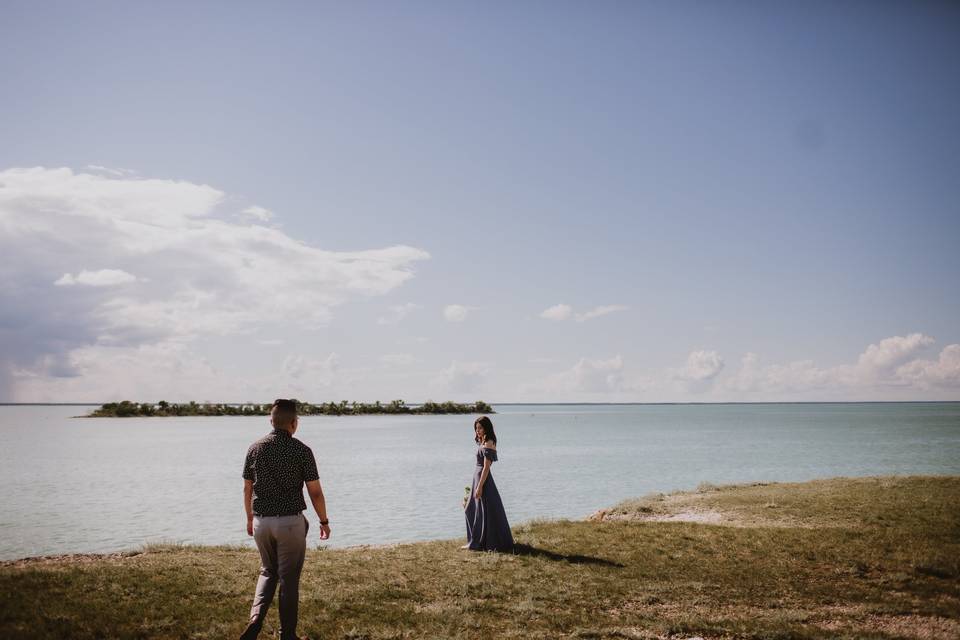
279 464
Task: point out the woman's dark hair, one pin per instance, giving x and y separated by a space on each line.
487 426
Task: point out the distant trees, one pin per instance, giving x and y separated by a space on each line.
128 409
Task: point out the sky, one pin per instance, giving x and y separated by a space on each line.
515 202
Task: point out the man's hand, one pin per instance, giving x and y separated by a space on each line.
250 525
324 532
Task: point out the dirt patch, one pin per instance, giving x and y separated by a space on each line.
907 626
70 558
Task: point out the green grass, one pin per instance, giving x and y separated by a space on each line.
856 558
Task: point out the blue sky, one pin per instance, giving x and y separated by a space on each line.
763 200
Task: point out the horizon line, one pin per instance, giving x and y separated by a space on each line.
541 404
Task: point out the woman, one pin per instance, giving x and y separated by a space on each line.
487 526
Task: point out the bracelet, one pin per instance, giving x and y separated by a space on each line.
324 522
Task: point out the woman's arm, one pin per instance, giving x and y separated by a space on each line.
483 478
248 504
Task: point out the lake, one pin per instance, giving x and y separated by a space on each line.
96 485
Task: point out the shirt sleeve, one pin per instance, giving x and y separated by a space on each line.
248 466
309 466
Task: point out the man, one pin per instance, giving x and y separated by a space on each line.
276 468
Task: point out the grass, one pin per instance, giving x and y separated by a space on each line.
855 558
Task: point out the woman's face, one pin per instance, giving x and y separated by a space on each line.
478 430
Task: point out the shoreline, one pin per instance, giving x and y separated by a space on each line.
873 556
678 506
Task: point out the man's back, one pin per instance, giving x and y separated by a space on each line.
278 465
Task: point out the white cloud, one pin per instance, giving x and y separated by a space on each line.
698 374
943 372
586 376
560 312
207 275
455 312
312 371
258 213
111 171
464 377
797 376
557 312
600 311
397 313
889 365
890 353
397 359
101 278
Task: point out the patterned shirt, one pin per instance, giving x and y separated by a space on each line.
279 464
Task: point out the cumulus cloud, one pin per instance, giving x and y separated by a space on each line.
797 376
598 312
111 171
586 376
397 359
258 213
699 371
101 278
207 274
464 377
560 312
455 312
313 371
944 372
397 313
890 353
891 364
557 312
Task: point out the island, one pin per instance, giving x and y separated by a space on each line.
128 409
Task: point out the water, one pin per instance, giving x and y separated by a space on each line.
96 485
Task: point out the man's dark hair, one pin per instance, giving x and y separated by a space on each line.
283 413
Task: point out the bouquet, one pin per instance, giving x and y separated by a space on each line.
466 497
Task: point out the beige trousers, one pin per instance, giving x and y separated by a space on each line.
282 542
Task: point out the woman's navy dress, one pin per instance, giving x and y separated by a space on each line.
487 526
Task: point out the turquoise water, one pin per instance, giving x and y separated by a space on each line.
97 485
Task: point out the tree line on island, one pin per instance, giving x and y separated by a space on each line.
128 409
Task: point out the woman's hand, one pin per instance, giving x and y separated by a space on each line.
479 492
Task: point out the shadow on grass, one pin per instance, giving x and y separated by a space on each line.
533 552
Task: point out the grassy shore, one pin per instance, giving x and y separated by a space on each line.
855 558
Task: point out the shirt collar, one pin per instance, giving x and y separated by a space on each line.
281 432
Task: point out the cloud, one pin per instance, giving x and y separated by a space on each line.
207 275
397 359
560 312
397 313
258 213
455 312
312 371
890 364
699 371
890 353
586 376
701 365
600 311
557 312
941 373
797 376
464 377
101 278
111 171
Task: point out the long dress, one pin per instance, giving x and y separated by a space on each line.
487 526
